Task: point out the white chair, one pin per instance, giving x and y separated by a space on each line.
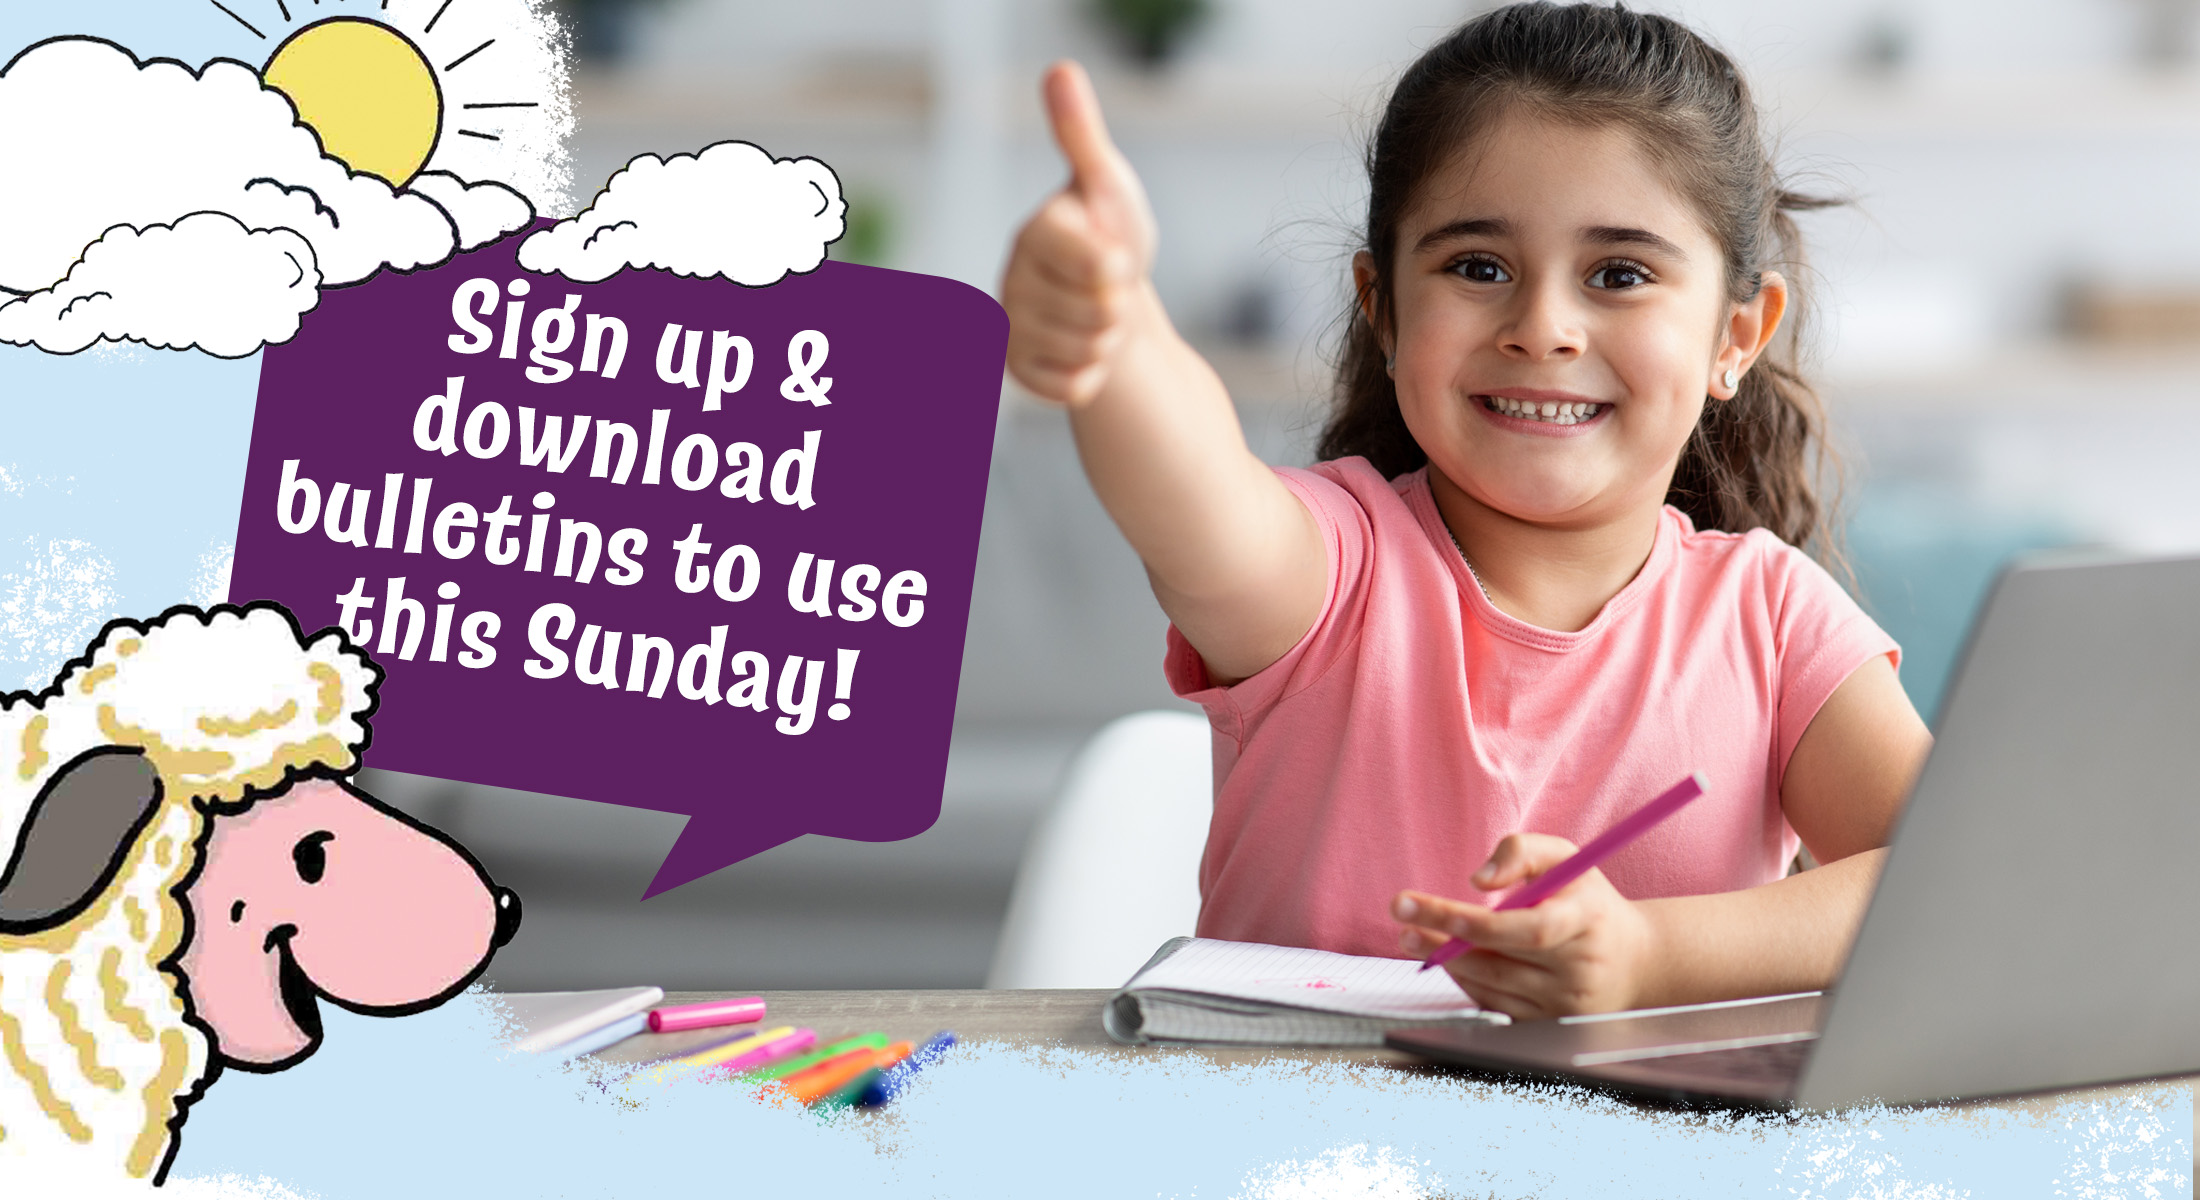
1112 870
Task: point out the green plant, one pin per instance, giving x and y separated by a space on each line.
870 230
1152 29
601 27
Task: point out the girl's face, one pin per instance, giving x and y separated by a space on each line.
1560 314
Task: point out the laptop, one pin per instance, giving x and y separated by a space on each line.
2036 923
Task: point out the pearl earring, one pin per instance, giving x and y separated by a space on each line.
1390 364
1729 379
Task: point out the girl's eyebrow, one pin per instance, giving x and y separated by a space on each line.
1614 235
1466 228
1598 235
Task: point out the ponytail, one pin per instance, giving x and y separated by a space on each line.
1755 461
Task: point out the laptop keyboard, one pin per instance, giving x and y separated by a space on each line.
1777 1062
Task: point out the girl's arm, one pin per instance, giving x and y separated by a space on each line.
1235 560
1588 949
1844 788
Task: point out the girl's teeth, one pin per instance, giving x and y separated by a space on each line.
1549 411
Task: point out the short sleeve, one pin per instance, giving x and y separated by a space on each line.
1822 636
1347 536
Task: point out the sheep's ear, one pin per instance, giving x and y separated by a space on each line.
75 837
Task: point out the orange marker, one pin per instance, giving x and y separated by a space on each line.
860 1056
828 1077
848 1093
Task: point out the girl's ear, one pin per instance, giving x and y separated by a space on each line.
1750 329
1364 287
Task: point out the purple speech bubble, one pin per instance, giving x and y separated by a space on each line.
863 452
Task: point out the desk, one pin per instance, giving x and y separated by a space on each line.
1068 1017
1071 1018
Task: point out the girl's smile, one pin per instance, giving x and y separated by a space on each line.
1543 413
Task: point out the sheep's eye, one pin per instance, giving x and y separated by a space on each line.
311 859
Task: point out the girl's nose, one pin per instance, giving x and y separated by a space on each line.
1542 326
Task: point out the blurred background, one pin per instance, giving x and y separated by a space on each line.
2008 341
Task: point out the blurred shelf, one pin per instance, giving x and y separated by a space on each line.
605 104
1276 380
2045 374
1980 106
897 94
1203 101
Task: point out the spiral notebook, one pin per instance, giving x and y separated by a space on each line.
567 1024
1245 993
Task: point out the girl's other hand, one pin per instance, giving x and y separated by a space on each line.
1080 263
1585 949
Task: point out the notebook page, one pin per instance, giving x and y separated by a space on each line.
1310 979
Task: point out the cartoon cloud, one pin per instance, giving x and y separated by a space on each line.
189 872
102 150
729 210
205 282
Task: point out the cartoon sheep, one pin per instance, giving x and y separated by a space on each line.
189 870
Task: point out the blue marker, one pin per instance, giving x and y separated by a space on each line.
890 1084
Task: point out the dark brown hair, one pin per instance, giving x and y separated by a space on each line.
1752 461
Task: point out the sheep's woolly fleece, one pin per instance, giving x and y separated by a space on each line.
98 1055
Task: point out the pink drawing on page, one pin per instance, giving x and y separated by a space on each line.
1318 981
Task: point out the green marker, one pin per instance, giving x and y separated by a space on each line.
868 1041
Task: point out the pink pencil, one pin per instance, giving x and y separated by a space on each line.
710 1012
770 1052
1611 842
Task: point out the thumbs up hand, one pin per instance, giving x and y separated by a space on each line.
1076 279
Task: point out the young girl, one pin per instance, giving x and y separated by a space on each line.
1541 576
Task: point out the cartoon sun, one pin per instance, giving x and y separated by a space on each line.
367 90
373 94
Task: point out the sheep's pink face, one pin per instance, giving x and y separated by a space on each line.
320 892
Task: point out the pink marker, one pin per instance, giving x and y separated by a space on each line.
712 1012
1611 842
770 1052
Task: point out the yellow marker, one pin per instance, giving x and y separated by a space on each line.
713 1055
720 1053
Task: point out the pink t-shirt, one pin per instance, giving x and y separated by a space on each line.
1415 724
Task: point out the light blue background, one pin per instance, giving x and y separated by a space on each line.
455 1118
137 454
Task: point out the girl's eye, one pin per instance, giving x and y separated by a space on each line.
1619 276
1479 269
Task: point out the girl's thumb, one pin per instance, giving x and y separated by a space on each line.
1095 166
1519 856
